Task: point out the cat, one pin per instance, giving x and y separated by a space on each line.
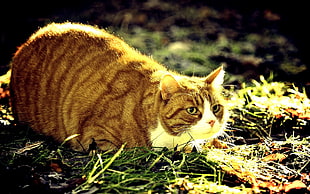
71 78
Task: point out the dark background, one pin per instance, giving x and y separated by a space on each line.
20 19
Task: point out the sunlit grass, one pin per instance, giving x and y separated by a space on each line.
265 111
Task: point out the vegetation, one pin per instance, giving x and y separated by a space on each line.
266 145
265 149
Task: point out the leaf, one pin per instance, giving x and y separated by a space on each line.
275 157
297 184
56 167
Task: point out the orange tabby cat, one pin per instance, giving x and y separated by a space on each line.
76 79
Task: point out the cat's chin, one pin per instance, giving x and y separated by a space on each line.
200 132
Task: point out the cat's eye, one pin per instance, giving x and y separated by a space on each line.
216 108
192 110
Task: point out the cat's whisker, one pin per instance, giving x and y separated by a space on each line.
158 136
181 126
193 143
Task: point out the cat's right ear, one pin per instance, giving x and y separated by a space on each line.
216 77
168 86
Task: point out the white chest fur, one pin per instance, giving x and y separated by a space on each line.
160 138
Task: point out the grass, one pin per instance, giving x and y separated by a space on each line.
271 109
266 149
268 159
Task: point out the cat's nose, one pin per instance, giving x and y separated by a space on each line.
211 122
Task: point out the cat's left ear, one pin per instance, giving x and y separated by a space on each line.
168 86
216 77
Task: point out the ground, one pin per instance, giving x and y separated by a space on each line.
266 149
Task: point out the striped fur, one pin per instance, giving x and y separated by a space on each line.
76 79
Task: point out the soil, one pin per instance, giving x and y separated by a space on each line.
252 38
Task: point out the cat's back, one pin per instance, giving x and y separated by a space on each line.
66 73
69 40
71 44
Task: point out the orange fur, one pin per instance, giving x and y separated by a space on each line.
76 79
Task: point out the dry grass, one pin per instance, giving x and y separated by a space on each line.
273 115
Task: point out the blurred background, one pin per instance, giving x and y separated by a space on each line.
252 38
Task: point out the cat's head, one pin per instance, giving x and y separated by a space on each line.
192 108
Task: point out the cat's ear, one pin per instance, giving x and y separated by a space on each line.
168 86
216 77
